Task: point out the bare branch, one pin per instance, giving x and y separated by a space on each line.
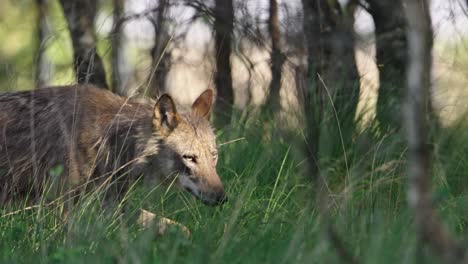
146 14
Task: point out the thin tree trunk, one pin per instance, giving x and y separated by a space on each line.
427 221
313 105
43 71
329 60
339 78
88 65
223 25
391 47
332 76
341 75
160 54
118 59
277 58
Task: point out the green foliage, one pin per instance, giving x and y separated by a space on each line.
271 215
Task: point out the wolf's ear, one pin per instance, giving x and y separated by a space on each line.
202 105
165 117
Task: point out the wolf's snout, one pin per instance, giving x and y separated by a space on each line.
215 198
221 197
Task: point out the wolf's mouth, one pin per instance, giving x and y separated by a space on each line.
214 198
208 202
211 203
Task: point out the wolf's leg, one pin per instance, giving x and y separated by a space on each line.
68 190
147 219
74 180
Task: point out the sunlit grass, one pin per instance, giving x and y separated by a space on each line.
271 215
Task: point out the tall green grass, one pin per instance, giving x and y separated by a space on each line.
271 216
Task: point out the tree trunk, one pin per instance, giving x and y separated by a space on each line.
313 105
391 46
277 58
43 67
117 54
333 78
339 72
427 221
223 25
332 83
161 56
88 65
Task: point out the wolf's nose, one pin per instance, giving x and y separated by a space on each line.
214 198
221 198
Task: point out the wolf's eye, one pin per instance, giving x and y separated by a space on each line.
215 155
190 158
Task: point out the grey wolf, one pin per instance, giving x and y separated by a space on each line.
102 139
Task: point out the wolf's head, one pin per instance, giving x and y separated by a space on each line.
188 152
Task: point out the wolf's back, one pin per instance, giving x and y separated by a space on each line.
33 125
44 128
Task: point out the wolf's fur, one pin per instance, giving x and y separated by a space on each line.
99 138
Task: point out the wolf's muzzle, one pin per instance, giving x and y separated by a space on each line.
215 199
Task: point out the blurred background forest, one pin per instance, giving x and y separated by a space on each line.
310 97
178 37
